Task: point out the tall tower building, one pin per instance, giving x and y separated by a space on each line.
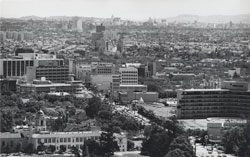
79 25
40 121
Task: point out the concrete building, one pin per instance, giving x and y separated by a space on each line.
83 72
7 85
14 68
79 25
232 72
68 139
56 74
10 141
232 100
46 86
102 68
129 76
122 141
100 28
216 129
126 81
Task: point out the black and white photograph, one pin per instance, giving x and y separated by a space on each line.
125 78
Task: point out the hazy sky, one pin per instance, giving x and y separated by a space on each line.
126 9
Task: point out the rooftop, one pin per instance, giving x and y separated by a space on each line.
66 134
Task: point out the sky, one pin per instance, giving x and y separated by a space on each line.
126 9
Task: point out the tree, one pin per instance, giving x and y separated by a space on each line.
182 143
62 149
237 140
232 140
58 124
51 149
93 147
75 151
93 107
153 88
107 143
41 147
157 145
105 115
18 147
175 153
130 145
6 121
29 149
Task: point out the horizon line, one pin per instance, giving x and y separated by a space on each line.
131 19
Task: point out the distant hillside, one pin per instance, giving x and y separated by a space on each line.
31 18
211 19
245 18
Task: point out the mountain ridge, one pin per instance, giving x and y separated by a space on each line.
183 18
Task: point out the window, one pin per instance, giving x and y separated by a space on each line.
69 139
65 140
81 139
3 143
39 140
49 140
45 140
61 139
53 140
11 143
77 139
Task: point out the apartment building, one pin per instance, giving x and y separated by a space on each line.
232 100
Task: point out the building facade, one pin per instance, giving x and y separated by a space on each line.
14 68
129 76
232 100
45 86
55 74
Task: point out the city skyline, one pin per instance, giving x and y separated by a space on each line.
132 10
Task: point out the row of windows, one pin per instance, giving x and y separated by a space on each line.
65 140
15 68
5 143
129 72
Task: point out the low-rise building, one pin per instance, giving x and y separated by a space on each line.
46 86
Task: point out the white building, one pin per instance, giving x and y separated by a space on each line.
68 139
79 25
129 76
